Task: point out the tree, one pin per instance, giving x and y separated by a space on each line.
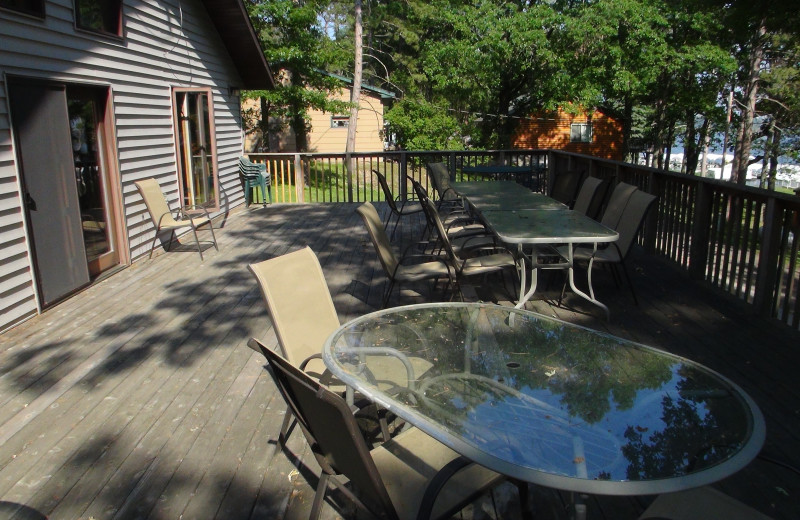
298 55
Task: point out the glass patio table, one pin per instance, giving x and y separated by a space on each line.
552 403
503 196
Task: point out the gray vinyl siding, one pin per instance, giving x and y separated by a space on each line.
165 44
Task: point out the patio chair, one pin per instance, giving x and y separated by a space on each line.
699 504
303 316
440 180
253 175
616 204
163 219
496 260
406 207
565 186
630 222
450 206
590 196
464 237
410 476
396 270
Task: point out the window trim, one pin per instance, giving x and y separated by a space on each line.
586 124
101 32
38 14
212 136
340 118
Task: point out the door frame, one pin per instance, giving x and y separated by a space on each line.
108 154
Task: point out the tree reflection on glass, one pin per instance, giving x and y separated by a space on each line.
700 430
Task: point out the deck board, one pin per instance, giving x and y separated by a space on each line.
138 397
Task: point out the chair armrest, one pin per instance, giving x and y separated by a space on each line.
437 483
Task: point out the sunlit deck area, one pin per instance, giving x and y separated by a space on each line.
139 398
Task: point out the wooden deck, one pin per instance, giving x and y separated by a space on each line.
138 398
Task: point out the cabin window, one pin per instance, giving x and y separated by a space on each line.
197 158
102 16
340 121
31 7
581 133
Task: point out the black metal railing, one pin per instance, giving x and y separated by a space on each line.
742 240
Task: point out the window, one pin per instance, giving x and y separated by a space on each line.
102 16
196 150
31 7
340 121
580 133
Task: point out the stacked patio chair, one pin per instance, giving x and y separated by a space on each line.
253 175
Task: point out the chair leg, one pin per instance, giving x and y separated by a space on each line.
287 421
197 241
213 235
263 191
153 247
396 221
322 489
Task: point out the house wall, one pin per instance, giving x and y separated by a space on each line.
552 130
166 43
324 139
369 130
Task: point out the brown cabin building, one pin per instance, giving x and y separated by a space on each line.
591 133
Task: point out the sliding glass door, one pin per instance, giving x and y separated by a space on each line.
196 149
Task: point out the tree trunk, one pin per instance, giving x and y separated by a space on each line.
355 95
727 132
355 98
748 114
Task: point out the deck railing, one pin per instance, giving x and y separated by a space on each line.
742 240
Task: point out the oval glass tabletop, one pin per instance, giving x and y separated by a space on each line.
549 402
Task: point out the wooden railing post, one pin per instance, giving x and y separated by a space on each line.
451 165
767 268
701 231
299 178
650 229
403 174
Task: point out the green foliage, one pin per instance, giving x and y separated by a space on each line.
419 125
298 55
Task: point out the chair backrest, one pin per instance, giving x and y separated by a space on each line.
331 431
387 191
383 246
616 204
440 179
154 199
590 196
565 186
299 302
247 168
422 197
432 214
632 218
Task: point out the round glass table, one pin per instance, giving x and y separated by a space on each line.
548 402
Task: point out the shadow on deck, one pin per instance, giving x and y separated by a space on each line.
138 398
